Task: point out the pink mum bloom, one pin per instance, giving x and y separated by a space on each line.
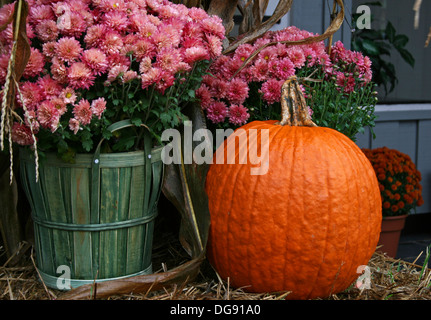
49 49
238 91
116 72
271 90
195 54
74 125
145 65
296 55
32 94
204 95
96 60
46 30
165 81
49 87
82 112
59 104
214 45
21 134
214 25
283 68
80 76
35 64
238 114
217 111
48 116
95 35
59 70
98 106
116 20
167 36
259 70
68 95
112 43
40 12
68 49
150 77
168 60
130 75
143 48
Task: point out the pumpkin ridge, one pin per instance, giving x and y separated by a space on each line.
327 209
358 217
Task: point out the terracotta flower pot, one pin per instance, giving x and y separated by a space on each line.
390 234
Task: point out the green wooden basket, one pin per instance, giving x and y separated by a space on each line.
93 219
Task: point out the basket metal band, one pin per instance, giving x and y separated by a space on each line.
94 227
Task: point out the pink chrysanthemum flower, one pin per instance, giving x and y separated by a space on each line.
59 104
68 95
112 42
31 122
96 60
143 48
68 49
214 25
39 13
259 70
168 59
204 95
32 94
35 64
82 112
150 77
74 125
214 46
47 30
195 54
145 65
238 114
219 88
130 75
197 14
49 49
238 91
48 116
95 35
217 111
296 55
271 90
78 25
80 76
59 70
21 134
116 72
98 106
166 36
49 87
116 20
165 81
284 69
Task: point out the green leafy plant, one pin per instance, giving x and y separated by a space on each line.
378 45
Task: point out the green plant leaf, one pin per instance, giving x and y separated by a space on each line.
407 56
370 47
400 41
390 32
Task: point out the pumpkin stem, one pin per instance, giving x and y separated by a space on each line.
294 110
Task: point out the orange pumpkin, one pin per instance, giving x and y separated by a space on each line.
308 223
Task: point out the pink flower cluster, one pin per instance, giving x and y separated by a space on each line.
350 68
77 43
223 96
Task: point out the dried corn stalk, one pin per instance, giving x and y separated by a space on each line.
17 62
